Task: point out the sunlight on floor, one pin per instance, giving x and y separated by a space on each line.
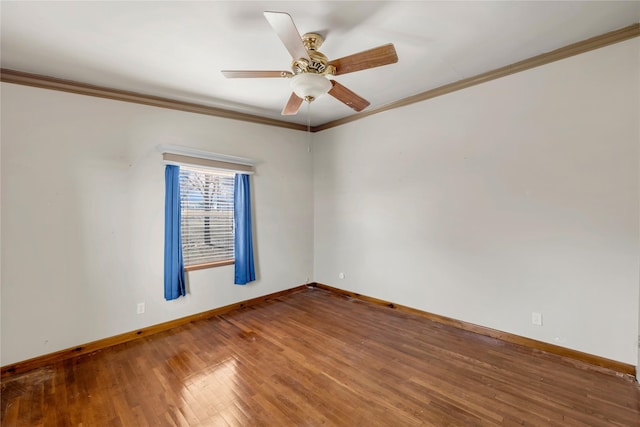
217 386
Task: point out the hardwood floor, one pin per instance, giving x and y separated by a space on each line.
318 358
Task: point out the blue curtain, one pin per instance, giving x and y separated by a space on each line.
243 243
173 263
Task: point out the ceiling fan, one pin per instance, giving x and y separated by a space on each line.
310 69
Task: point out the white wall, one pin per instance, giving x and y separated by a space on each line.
490 203
514 196
83 211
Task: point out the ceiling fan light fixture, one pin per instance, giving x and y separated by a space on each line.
310 86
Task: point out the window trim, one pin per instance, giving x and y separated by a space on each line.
209 265
186 156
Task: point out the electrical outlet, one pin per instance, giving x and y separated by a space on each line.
341 275
140 309
536 318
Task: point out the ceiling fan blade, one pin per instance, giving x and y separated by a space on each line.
346 96
376 57
284 26
239 74
293 105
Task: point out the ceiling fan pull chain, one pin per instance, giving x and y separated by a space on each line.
309 126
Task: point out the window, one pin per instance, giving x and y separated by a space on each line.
207 195
206 208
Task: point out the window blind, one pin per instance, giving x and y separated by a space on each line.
206 204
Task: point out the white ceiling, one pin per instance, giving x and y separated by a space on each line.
176 49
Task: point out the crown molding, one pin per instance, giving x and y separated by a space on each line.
54 83
583 46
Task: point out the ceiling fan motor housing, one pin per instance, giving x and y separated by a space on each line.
318 62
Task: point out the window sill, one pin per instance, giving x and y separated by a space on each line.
209 265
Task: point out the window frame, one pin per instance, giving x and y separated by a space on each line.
209 265
196 169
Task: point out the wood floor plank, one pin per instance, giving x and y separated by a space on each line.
318 358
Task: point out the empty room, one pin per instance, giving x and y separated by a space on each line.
371 213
